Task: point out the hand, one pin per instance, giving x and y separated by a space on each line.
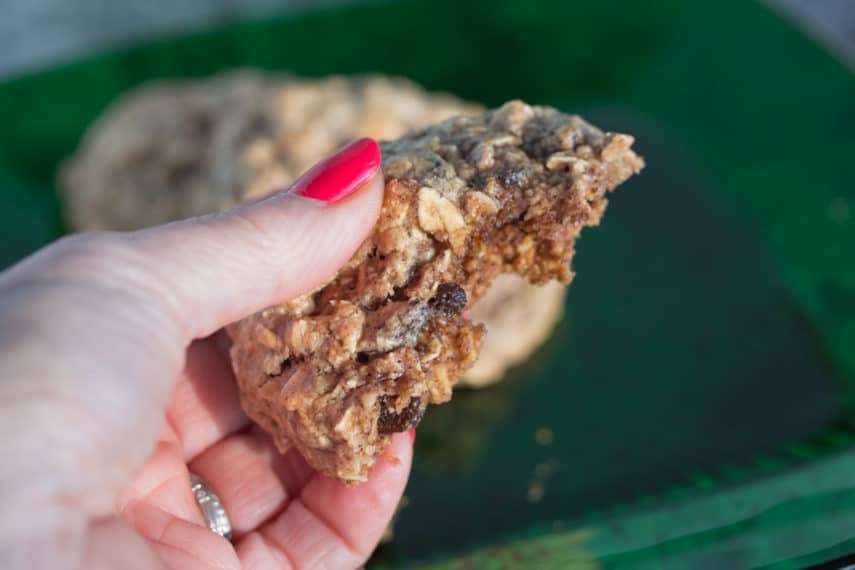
113 380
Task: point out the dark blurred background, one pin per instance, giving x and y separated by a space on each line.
39 33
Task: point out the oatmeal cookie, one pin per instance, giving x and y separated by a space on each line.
179 148
168 150
335 372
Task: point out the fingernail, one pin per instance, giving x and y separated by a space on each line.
338 175
412 433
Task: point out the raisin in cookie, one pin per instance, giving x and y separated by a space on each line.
335 372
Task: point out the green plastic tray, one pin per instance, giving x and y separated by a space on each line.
695 408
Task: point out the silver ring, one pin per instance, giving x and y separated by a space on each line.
211 507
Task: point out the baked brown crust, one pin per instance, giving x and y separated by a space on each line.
507 191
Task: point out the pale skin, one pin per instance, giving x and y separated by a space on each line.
114 379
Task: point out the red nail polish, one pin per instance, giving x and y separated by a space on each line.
338 175
412 433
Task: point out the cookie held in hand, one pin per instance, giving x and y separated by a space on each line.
333 373
171 149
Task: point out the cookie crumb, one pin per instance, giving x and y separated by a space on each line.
544 436
536 491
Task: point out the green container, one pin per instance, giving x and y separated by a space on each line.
695 408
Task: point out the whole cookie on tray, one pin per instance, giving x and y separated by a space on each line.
519 317
180 148
167 150
335 372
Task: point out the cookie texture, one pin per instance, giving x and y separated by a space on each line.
335 372
175 149
168 150
179 148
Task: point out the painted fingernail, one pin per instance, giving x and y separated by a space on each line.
338 175
412 433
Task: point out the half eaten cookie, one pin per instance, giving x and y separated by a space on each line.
335 372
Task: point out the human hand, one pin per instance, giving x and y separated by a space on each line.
113 379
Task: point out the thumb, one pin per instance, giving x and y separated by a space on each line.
117 311
216 269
